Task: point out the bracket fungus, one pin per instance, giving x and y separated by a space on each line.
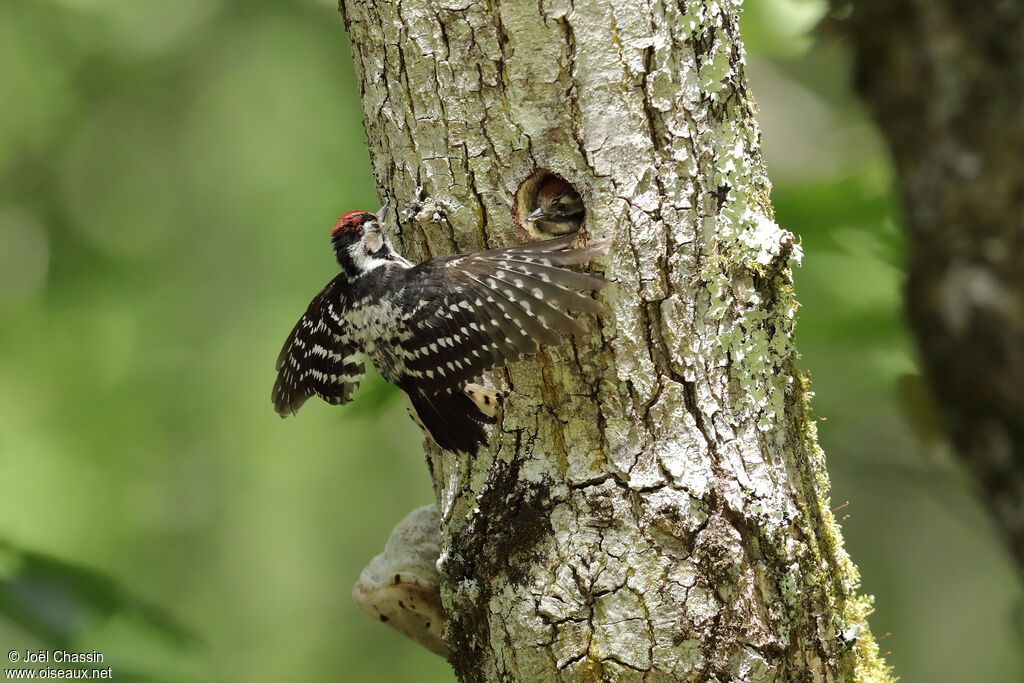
401 586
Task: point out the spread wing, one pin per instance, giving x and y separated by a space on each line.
479 311
318 357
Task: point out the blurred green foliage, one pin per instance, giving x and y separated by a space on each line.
170 171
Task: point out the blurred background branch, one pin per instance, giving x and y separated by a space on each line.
945 81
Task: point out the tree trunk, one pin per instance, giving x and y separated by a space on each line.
654 505
945 79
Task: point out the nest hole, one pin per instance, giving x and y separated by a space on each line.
547 206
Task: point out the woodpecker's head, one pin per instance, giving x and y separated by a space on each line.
559 209
360 242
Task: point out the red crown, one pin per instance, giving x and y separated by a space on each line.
553 186
351 220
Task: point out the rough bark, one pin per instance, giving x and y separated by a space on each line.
654 505
944 79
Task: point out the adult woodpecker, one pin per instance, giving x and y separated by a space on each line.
432 328
559 209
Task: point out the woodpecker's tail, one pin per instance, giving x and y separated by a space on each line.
455 421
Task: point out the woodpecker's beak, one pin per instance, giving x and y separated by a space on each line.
383 212
536 214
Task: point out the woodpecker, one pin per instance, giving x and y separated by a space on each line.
432 328
559 209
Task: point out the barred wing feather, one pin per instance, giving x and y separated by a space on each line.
317 358
480 311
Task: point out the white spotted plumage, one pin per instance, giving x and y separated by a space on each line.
431 328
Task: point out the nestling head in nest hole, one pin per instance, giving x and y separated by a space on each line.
552 206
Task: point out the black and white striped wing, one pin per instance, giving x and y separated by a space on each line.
479 311
318 357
